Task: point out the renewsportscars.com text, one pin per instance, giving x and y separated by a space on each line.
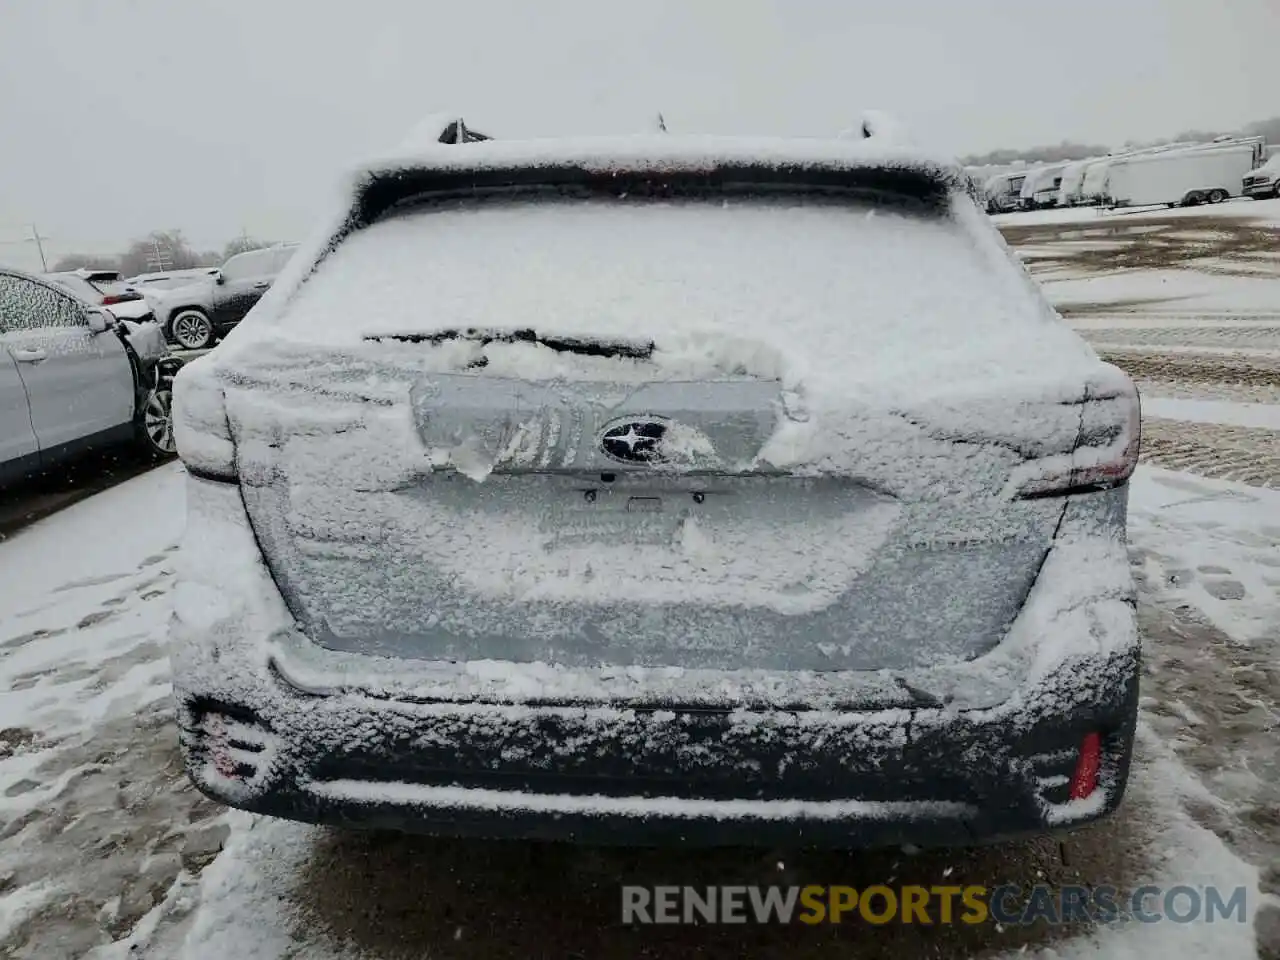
1006 904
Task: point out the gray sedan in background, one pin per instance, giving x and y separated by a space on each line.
74 378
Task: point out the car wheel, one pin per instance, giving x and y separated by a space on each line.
1217 196
155 422
1192 199
191 329
1276 192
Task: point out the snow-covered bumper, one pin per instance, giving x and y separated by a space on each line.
964 753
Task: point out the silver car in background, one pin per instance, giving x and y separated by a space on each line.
74 378
663 489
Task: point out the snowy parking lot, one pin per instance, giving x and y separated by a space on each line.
107 851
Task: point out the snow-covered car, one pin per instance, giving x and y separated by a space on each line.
194 315
662 489
170 279
73 378
105 289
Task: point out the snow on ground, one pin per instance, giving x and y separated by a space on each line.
1186 262
103 842
1220 544
94 814
77 576
1259 415
1266 210
1174 291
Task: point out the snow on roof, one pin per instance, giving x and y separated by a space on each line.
664 151
1216 147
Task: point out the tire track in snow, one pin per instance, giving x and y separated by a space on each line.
1219 375
1244 454
1255 336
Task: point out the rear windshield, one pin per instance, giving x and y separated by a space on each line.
864 275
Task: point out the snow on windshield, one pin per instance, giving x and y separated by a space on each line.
892 292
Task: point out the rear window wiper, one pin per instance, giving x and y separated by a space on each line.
584 346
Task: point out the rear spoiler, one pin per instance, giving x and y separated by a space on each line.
384 190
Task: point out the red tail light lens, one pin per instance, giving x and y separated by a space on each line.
1085 780
1105 454
113 298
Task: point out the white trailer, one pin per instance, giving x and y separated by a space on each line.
1206 174
1040 189
1071 188
1257 144
1093 185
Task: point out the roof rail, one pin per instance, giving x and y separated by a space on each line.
458 132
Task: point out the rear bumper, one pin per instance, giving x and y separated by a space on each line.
268 724
626 776
867 780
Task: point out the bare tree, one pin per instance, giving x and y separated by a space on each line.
1063 151
157 251
242 244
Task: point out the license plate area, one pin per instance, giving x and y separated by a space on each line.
641 510
642 540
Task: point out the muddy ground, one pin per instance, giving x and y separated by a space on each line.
1228 247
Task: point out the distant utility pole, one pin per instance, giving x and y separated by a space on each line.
35 235
38 241
159 258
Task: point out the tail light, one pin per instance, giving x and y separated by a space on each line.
200 426
1105 453
1085 780
114 298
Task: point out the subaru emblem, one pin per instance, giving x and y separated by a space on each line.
634 440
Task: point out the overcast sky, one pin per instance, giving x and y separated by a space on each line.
120 116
